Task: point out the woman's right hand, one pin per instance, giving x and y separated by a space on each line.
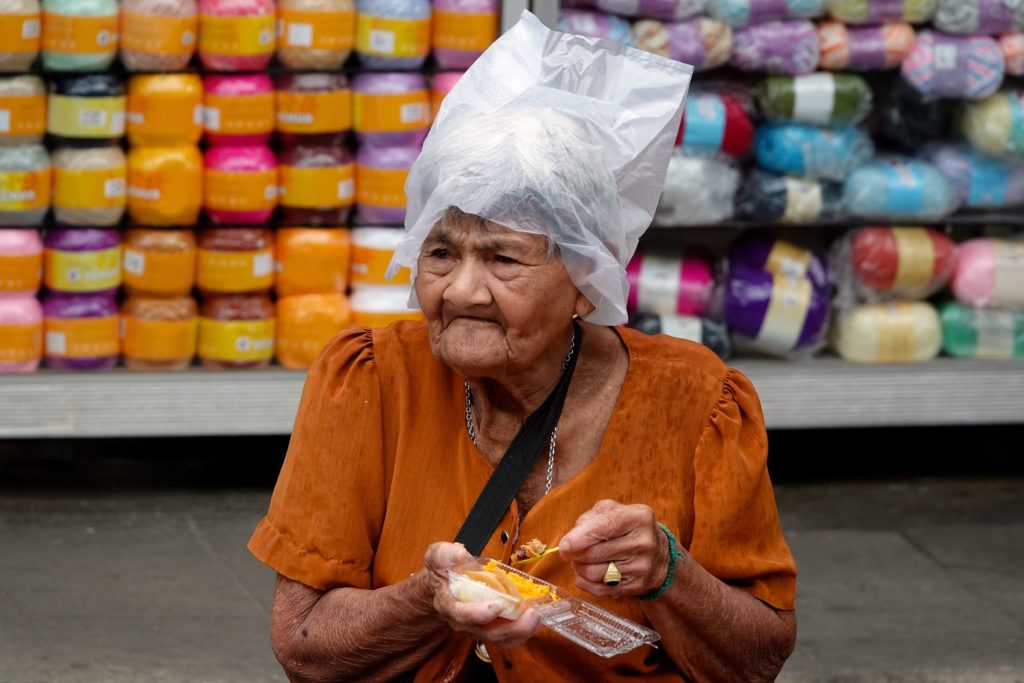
477 619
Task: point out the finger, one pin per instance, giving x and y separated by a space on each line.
442 556
621 549
600 590
600 525
472 615
511 634
631 571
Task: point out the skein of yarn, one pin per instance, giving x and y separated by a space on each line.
393 34
315 34
665 10
159 333
775 313
311 260
238 110
703 43
802 150
906 119
82 331
903 332
968 67
981 17
740 13
391 109
980 181
981 333
899 188
23 101
317 185
381 173
773 255
237 35
86 108
995 125
678 284
823 99
461 30
1012 45
159 262
313 108
89 185
21 262
240 184
165 185
305 323
864 48
698 191
592 24
771 198
79 35
777 47
895 263
878 11
25 175
21 333
82 260
990 273
715 123
165 109
711 333
158 35
20 34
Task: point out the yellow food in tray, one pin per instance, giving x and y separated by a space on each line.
523 587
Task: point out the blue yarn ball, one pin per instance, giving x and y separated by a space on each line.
899 188
813 152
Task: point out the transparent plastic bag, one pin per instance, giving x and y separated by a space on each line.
981 181
986 333
698 191
895 187
990 273
677 284
822 99
809 151
968 67
768 197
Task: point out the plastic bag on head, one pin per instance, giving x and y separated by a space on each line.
556 135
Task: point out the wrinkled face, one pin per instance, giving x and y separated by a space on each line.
495 299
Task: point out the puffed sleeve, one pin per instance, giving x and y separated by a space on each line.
737 536
327 510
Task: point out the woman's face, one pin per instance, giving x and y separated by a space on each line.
496 301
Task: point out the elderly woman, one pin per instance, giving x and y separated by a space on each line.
653 483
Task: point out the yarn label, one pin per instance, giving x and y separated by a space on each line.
239 114
803 201
313 188
21 273
995 334
1008 288
159 272
787 312
159 339
658 287
237 36
897 333
813 98
78 34
381 186
20 32
369 266
24 190
236 340
158 34
82 271
235 271
20 343
682 327
86 117
905 192
82 337
23 115
788 259
316 30
391 112
915 261
463 31
314 112
705 123
181 120
241 191
168 192
389 37
89 189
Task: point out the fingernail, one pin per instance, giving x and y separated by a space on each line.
495 607
565 544
456 556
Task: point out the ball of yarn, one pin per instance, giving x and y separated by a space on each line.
23 98
995 125
767 197
238 110
237 35
313 108
21 334
372 251
393 34
666 10
702 43
440 86
165 109
79 35
240 184
312 260
990 273
165 185
715 123
81 331
380 306
978 16
158 35
317 185
903 332
906 119
89 185
461 30
802 150
82 260
778 256
159 262
774 313
159 333
583 22
710 333
670 284
968 67
25 177
899 188
698 191
315 34
21 262
1012 45
777 47
305 323
900 263
981 333
739 13
878 11
864 48
236 332
823 99
391 109
88 108
21 27
381 173
980 181
235 261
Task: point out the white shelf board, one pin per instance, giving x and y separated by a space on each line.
819 393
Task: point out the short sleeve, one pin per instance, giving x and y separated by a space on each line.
737 536
325 515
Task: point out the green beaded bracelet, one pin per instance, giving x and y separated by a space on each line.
674 553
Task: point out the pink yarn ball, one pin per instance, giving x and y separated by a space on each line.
990 272
20 252
240 184
226 54
445 81
22 316
381 172
239 110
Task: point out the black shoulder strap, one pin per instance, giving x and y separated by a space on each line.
517 462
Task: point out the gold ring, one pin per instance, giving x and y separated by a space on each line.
481 652
612 575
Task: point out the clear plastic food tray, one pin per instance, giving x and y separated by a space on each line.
584 623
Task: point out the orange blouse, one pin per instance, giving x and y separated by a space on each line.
380 466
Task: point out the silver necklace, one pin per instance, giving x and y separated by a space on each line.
550 480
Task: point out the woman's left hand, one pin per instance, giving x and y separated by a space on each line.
627 535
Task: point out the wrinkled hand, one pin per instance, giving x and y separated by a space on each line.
479 620
627 535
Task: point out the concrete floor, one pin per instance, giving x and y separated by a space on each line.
898 582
